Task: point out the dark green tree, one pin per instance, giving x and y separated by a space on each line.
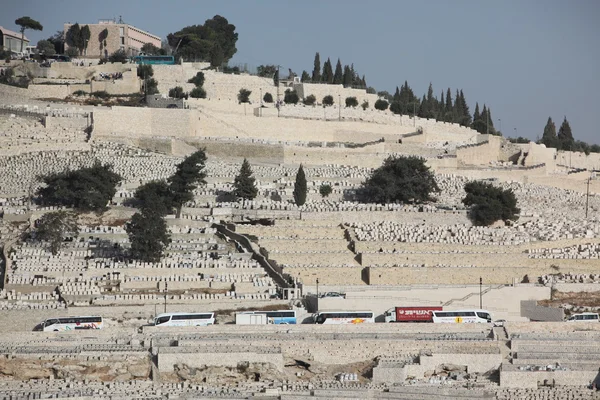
197 80
316 74
449 107
348 77
365 105
46 48
244 184
327 100
154 197
27 23
217 57
148 236
268 98
244 95
145 71
305 78
151 86
338 76
118 56
188 175
85 35
58 41
327 72
177 93
198 42
198 93
291 97
381 105
549 138
489 203
73 36
565 136
151 50
310 100
102 36
55 227
86 189
266 71
399 179
351 102
300 187
325 190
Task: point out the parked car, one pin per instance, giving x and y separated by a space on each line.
333 295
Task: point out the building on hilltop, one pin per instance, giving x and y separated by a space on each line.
11 41
118 36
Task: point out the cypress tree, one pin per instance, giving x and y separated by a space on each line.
565 136
448 106
549 138
363 82
476 114
466 114
300 187
327 72
244 183
338 77
441 109
423 108
316 74
348 77
305 77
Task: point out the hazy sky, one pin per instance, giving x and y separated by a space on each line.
527 60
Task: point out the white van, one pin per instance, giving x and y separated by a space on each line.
584 317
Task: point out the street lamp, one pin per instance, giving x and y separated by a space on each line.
516 133
480 293
86 42
340 107
317 294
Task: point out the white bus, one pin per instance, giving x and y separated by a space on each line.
344 317
184 319
584 317
462 316
71 323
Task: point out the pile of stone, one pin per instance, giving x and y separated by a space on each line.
582 251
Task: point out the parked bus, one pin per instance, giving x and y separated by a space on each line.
462 316
584 317
344 317
410 314
279 317
166 60
71 324
184 319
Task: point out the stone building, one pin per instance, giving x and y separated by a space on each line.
108 36
11 41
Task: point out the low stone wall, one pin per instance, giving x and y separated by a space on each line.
169 357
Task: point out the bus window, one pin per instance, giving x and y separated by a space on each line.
162 320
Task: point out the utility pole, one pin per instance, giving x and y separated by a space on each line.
340 107
487 123
480 293
317 294
415 114
278 105
500 121
587 196
165 296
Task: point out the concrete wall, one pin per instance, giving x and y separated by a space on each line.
144 122
168 357
574 159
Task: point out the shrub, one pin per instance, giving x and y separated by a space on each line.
101 94
72 52
325 190
489 203
244 184
118 56
145 71
79 93
291 97
310 100
268 98
177 93
351 102
327 100
198 80
151 86
381 105
365 105
399 179
244 95
396 108
198 93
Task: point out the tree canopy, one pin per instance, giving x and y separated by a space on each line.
399 179
244 184
199 41
27 23
45 47
189 174
152 50
300 187
490 203
154 197
148 236
86 189
54 227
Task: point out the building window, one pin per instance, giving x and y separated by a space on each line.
122 31
122 40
